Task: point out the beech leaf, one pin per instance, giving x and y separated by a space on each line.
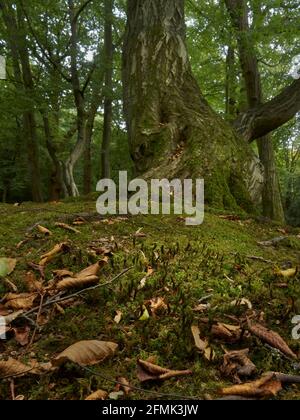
13 367
86 353
19 301
272 338
97 395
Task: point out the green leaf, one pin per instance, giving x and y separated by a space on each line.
145 314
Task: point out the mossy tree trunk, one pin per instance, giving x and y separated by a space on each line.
173 132
271 196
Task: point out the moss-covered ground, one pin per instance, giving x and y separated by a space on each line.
213 261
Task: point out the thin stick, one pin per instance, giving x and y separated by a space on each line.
12 389
37 322
253 257
287 379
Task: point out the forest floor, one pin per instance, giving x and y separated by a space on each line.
215 278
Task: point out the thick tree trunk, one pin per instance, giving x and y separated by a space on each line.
107 129
172 130
271 196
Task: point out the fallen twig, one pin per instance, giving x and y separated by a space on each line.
253 257
287 379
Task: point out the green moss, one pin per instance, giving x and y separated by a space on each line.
189 263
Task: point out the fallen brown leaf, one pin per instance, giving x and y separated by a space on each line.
73 282
32 284
22 335
202 345
63 273
237 363
86 277
157 305
13 367
44 230
124 385
266 387
118 317
67 227
199 343
86 353
19 301
226 332
97 395
272 338
58 249
148 372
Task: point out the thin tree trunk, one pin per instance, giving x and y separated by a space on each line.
107 124
87 170
231 85
80 106
271 196
24 81
58 188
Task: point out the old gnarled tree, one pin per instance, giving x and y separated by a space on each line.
173 132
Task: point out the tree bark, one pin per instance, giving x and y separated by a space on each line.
24 81
107 124
271 196
231 85
172 130
79 103
58 187
267 117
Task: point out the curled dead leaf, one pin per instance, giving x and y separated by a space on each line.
86 353
86 277
237 364
124 385
148 372
58 249
67 227
272 338
226 332
44 230
266 387
157 305
73 282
